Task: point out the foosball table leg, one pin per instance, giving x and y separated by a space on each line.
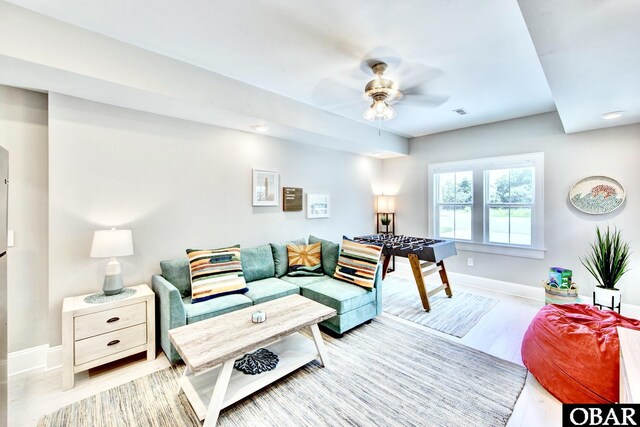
422 270
444 279
417 274
385 265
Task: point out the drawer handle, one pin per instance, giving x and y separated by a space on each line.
114 342
113 319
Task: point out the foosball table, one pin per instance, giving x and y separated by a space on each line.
425 255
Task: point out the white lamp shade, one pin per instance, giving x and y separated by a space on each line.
111 243
386 204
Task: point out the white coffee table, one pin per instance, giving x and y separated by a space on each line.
210 347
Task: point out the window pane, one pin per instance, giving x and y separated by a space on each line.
521 185
521 226
499 186
464 187
499 225
447 222
447 188
463 222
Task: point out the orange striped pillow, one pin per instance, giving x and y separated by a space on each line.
358 263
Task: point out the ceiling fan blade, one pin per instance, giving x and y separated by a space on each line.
414 75
425 100
332 94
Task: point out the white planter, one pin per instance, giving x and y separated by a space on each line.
604 297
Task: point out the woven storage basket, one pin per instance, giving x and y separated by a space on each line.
555 295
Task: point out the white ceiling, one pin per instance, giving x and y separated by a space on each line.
476 55
590 52
479 54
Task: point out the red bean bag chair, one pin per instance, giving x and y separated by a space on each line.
574 352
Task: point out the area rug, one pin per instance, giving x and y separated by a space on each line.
387 373
453 316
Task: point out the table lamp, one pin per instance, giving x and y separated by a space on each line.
111 244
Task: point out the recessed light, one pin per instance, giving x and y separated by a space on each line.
261 128
460 111
612 115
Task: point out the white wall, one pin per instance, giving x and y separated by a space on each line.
614 152
179 184
23 131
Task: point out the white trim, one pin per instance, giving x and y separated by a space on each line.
54 357
41 357
492 248
27 359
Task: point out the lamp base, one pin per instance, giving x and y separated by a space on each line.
112 284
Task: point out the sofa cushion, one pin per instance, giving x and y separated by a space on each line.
176 271
305 260
339 295
257 263
330 253
280 258
215 272
304 281
268 289
214 307
358 263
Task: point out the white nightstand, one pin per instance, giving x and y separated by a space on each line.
95 334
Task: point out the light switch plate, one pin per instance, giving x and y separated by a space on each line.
9 238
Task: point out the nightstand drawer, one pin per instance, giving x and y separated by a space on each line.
114 342
102 322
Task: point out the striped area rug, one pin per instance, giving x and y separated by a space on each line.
387 373
454 316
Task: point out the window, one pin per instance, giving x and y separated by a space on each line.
490 205
454 203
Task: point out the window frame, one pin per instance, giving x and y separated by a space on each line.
480 208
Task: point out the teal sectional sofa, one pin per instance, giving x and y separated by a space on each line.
264 269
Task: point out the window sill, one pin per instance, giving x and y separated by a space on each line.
491 248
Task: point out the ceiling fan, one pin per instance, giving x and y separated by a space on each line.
382 92
410 88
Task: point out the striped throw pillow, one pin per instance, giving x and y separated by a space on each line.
357 263
305 260
215 272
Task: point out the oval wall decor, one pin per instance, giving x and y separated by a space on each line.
597 195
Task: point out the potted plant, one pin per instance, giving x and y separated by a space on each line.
607 262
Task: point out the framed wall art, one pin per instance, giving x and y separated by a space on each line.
318 205
597 195
265 188
291 199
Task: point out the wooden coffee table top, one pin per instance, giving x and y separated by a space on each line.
206 344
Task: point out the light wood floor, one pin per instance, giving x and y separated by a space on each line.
499 332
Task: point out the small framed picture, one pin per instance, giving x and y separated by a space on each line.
265 188
318 205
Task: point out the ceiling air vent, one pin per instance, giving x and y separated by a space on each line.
460 111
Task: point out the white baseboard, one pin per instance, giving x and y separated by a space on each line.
54 357
41 357
509 288
27 360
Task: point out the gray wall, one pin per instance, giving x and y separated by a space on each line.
23 131
614 152
179 184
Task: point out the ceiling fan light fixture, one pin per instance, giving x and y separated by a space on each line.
379 110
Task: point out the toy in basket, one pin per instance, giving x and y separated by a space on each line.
560 289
